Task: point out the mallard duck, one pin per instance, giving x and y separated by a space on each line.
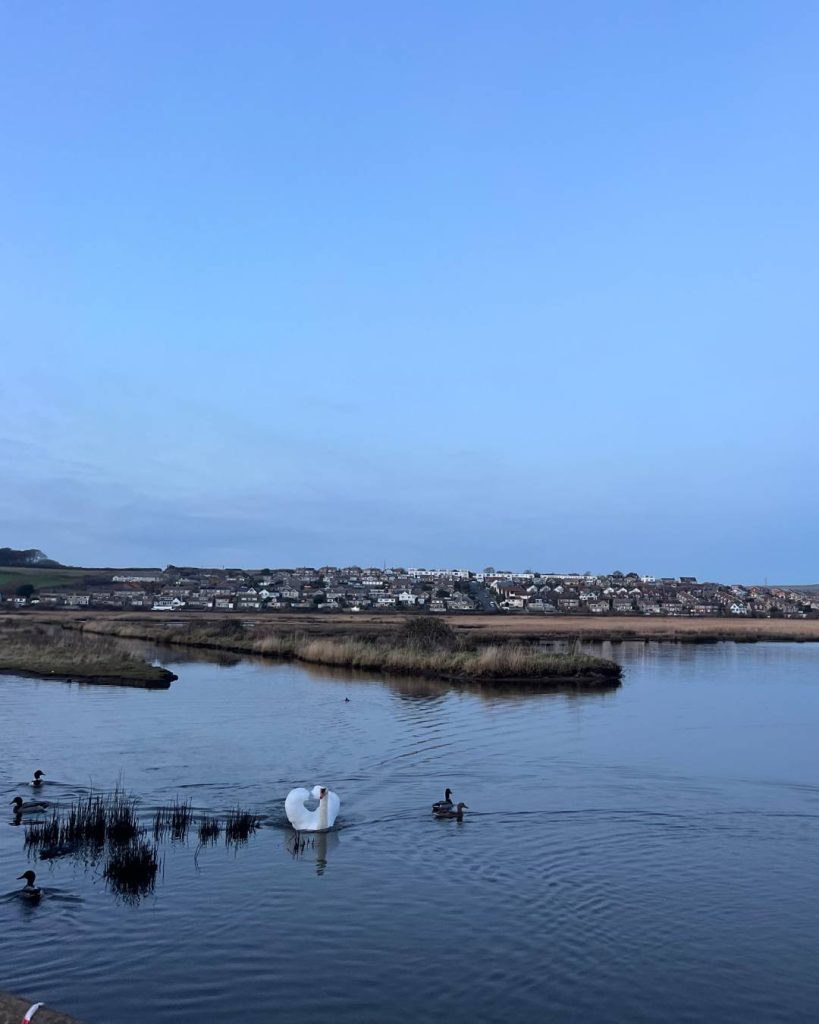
458 813
57 850
445 804
27 806
38 778
30 891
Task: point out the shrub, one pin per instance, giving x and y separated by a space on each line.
427 634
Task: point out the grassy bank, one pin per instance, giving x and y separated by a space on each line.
35 650
400 653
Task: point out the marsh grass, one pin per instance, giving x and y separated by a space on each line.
177 819
209 831
492 661
432 649
122 822
107 826
99 820
86 825
85 822
43 834
240 826
174 820
49 651
131 869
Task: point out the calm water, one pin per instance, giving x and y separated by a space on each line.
648 855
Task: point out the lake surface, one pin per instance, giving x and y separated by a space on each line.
645 855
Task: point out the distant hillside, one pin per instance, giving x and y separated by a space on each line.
44 573
31 558
803 588
43 577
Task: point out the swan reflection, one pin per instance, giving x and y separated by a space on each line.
316 845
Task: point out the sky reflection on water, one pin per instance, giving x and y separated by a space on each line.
641 854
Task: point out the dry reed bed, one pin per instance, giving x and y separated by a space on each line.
494 662
638 627
483 628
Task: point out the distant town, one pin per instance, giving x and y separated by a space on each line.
441 591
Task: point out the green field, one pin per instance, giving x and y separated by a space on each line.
11 578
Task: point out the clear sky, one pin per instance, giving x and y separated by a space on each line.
523 284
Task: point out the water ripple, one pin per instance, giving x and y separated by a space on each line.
642 857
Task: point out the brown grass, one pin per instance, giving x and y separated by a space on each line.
639 627
467 661
504 661
483 628
41 651
368 641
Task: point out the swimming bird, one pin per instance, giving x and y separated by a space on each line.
38 778
457 814
445 804
30 891
57 850
304 820
27 806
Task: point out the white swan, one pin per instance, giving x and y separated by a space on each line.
304 820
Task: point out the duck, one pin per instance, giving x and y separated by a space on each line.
445 804
30 891
457 814
57 850
27 806
304 820
38 778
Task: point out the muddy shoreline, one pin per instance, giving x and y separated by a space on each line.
162 683
12 1009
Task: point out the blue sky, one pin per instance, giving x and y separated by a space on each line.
526 284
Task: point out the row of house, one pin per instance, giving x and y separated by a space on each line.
648 596
353 588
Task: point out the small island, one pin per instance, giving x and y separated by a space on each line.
421 646
90 651
496 664
49 653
